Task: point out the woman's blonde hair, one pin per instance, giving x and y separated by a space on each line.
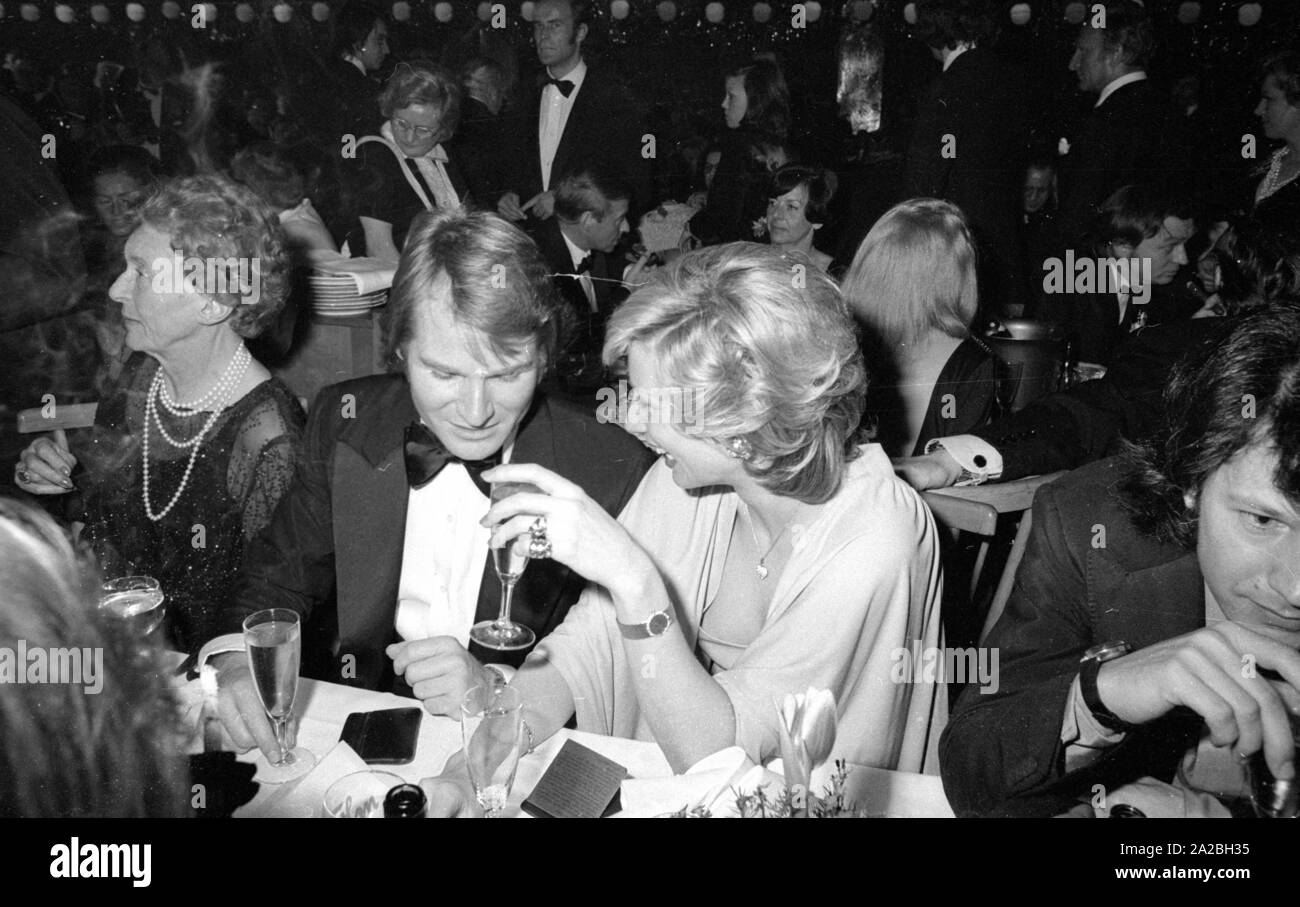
765 350
915 274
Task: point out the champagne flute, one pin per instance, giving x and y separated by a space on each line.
137 602
510 559
273 639
491 725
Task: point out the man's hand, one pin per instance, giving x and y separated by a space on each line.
508 207
542 205
439 671
640 271
1213 672
240 708
934 470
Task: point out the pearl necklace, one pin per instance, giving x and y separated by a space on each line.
222 394
1273 181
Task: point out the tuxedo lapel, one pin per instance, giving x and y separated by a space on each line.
568 149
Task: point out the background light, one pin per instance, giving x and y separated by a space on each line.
1021 13
714 12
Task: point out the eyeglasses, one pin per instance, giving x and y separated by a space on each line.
420 132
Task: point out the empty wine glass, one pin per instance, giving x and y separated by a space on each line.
273 639
491 723
510 559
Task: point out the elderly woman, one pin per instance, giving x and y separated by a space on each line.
796 210
192 451
1279 112
912 284
764 553
409 167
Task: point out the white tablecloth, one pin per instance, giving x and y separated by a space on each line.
324 707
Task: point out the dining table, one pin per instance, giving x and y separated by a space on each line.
323 707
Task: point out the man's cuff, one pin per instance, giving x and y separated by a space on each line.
231 642
979 460
1084 737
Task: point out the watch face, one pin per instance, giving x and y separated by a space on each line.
658 623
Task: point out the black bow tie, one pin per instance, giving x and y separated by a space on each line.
583 266
566 87
426 456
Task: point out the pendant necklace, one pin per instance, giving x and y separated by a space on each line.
762 569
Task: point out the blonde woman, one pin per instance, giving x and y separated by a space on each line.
765 552
912 285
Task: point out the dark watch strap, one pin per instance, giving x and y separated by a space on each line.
1092 699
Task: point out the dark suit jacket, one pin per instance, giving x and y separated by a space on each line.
1086 422
333 550
1001 753
353 101
979 102
478 148
605 122
1092 320
1131 138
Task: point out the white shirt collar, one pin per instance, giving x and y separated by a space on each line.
576 76
361 67
574 252
950 55
1119 83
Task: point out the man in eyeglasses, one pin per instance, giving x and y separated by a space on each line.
577 109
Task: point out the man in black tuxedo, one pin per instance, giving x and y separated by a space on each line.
1156 615
577 109
378 544
591 203
482 133
970 138
359 50
1130 135
1121 279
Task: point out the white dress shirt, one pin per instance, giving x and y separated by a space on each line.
578 255
555 112
1119 83
442 557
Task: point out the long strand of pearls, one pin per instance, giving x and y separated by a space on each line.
221 395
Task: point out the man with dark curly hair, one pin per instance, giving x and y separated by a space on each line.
1152 633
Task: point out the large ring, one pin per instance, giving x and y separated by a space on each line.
539 548
538 529
21 475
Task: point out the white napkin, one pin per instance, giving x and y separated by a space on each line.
369 274
303 798
712 783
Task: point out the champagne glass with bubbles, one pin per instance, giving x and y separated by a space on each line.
510 559
491 723
273 639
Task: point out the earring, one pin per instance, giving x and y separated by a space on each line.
739 449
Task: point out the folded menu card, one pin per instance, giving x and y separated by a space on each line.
579 784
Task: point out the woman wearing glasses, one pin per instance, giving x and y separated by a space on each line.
406 168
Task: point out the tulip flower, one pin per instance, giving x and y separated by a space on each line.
807 731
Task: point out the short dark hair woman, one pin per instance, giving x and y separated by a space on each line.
406 167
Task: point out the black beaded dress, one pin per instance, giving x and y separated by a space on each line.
244 466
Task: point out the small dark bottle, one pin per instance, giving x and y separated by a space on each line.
1124 811
406 801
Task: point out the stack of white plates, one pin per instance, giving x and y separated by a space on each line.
336 296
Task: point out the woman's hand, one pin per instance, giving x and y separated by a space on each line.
583 536
45 466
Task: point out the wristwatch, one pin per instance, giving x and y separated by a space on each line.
1092 661
656 624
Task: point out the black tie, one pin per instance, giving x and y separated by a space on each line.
426 456
566 87
583 266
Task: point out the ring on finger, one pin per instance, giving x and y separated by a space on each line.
21 475
538 529
539 548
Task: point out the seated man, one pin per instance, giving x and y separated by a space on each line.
591 206
1120 281
377 544
1157 594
